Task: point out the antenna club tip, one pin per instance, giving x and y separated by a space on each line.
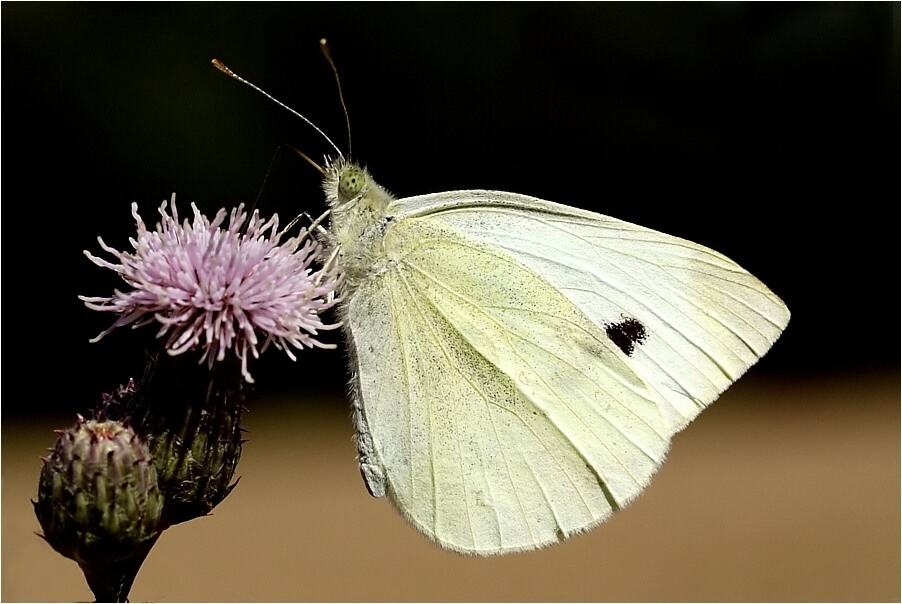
221 67
324 47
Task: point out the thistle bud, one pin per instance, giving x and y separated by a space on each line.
99 503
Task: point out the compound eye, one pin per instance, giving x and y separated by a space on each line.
351 182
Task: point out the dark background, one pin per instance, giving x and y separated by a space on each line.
769 132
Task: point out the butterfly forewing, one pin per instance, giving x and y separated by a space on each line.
706 320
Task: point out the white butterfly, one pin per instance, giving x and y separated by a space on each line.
520 366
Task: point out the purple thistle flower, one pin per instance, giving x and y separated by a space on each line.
220 288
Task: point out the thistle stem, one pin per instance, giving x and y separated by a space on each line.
112 582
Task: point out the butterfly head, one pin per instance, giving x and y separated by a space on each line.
349 186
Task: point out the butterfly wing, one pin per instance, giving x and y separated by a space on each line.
518 377
705 318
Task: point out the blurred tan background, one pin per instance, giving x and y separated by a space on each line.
779 491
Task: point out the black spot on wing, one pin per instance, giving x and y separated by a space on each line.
627 334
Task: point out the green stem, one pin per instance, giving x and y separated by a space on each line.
112 582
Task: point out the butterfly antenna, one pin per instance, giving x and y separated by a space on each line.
324 46
221 67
